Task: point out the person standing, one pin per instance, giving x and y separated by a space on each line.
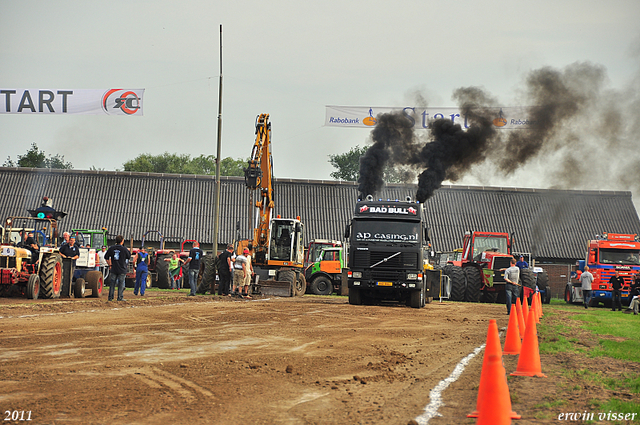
117 256
239 273
586 278
69 249
247 279
174 269
616 283
195 255
512 287
522 264
141 260
226 271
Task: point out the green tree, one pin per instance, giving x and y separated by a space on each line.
347 164
36 158
348 167
184 164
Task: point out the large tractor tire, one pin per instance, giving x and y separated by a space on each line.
33 287
162 270
527 279
95 282
543 285
79 288
321 285
210 265
458 282
51 276
474 284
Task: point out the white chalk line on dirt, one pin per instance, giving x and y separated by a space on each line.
435 395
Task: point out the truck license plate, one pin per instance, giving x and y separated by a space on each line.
385 283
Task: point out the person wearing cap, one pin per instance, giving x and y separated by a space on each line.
239 273
247 278
521 264
101 261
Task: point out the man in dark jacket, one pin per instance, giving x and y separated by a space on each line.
616 281
117 257
225 270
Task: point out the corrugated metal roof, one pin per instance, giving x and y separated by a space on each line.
552 224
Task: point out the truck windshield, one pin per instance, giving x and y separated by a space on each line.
385 231
489 243
619 256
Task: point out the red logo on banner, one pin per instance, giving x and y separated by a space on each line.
121 102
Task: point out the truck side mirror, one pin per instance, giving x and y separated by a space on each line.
347 231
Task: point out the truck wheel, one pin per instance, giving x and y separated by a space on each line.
417 298
290 277
547 295
458 282
33 287
321 285
79 288
95 282
162 268
568 294
301 285
51 276
355 296
149 281
208 281
474 283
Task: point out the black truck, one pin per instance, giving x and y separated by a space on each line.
388 243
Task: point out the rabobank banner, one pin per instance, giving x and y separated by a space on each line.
365 117
71 101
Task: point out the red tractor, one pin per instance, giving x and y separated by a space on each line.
479 275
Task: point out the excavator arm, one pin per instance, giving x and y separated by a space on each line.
259 175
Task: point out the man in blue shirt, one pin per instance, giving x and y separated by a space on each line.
522 264
142 271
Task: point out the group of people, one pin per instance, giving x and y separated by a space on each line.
237 269
616 281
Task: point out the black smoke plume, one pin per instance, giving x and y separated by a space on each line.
570 112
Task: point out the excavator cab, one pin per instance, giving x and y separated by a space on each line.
286 241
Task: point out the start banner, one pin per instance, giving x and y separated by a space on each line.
365 117
63 101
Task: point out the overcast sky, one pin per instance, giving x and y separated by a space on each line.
288 59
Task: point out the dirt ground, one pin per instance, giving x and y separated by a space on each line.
170 359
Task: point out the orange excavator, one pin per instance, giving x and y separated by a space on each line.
278 249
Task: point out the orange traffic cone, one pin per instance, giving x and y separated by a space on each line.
512 343
525 309
521 325
535 306
540 305
529 360
493 392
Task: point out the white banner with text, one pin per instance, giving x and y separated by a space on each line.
73 101
365 117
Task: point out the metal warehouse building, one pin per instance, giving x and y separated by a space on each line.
553 225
